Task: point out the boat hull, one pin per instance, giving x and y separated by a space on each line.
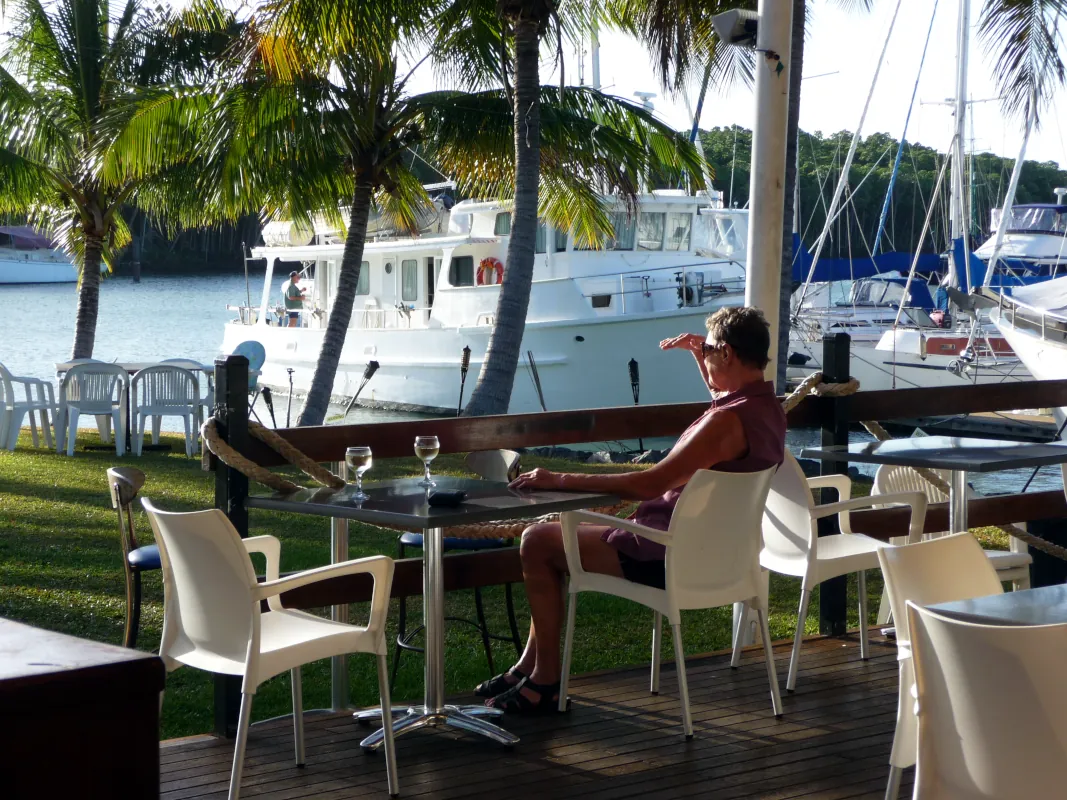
22 268
580 364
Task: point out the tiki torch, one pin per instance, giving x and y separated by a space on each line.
368 373
269 400
464 365
635 387
289 404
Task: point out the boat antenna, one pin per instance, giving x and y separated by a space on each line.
464 365
368 373
248 291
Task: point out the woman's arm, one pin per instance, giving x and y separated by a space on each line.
692 343
719 438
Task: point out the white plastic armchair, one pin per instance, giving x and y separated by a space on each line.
939 570
37 399
1011 565
712 560
165 391
92 388
212 618
992 710
791 543
207 384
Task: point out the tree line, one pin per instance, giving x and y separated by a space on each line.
820 158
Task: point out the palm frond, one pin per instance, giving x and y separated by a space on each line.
1025 38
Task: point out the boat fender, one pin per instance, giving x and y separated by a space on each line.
488 266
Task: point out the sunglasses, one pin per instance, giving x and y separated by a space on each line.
707 349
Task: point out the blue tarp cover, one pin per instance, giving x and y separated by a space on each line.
844 269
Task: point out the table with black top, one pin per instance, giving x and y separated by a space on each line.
403 504
957 455
1046 605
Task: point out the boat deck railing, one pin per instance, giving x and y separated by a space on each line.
1049 325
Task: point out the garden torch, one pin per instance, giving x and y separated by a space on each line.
464 365
635 387
368 373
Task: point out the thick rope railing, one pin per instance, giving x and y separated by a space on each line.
813 385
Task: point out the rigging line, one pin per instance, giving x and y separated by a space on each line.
851 152
427 163
852 192
922 237
821 179
903 136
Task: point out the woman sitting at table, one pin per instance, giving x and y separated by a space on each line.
743 431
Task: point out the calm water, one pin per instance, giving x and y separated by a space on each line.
183 317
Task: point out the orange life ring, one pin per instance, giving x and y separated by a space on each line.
486 266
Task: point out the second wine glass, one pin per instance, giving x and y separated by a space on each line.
426 450
359 460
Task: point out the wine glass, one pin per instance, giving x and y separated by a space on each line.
359 460
426 450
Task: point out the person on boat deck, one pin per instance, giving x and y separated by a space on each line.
742 431
294 299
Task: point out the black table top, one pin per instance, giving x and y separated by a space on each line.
945 452
403 503
1043 606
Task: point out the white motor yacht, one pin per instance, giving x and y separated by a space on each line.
421 301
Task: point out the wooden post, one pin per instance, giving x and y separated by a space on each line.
1048 570
231 489
833 594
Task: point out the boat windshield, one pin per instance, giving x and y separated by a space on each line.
1046 219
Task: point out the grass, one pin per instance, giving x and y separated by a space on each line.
60 569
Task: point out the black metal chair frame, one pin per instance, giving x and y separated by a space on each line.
124 492
404 637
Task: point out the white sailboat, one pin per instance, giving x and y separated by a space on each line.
27 256
421 301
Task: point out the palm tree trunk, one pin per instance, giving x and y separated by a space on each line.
796 70
318 399
493 392
88 298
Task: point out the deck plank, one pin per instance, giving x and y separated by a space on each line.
618 741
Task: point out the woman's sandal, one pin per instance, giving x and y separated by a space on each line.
513 701
499 684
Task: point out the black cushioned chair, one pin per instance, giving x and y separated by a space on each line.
125 483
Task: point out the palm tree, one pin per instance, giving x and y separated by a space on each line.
565 146
66 66
310 120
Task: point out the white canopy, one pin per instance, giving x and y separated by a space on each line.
1047 295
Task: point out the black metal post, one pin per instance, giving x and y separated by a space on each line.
231 489
833 594
635 387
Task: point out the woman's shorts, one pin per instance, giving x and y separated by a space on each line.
647 573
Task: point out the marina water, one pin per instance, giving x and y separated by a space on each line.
182 316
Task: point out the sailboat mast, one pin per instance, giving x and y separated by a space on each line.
957 186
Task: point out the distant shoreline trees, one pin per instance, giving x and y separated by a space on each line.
820 160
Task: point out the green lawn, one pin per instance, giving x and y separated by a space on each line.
60 568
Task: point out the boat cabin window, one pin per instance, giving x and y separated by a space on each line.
624 232
461 271
650 230
409 280
503 224
678 228
561 240
363 284
601 300
1038 220
541 239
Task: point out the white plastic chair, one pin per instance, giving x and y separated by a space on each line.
494 465
1011 565
212 618
207 382
712 560
791 543
991 706
165 391
38 399
939 570
94 388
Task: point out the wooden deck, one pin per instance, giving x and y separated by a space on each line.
617 741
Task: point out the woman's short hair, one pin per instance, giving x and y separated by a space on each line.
746 330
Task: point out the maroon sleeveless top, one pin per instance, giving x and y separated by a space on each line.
763 421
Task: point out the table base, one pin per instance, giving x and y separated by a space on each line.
464 718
